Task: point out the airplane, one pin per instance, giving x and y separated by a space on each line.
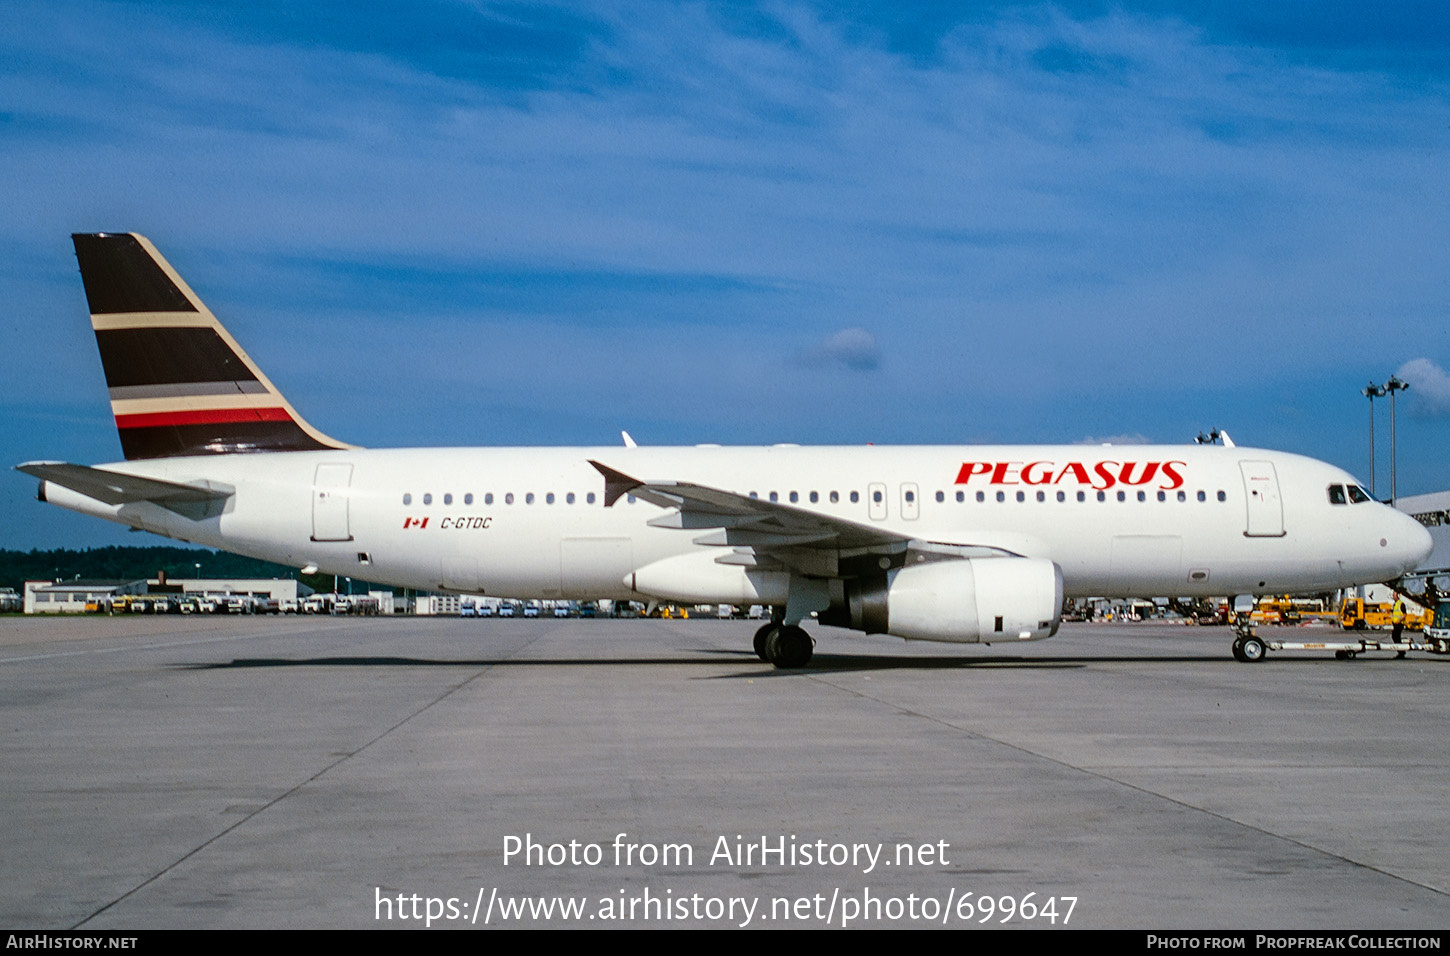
966 544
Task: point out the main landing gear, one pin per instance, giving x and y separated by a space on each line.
784 645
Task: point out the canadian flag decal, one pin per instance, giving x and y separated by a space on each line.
415 523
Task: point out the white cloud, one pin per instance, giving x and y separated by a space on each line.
855 349
1429 386
1129 439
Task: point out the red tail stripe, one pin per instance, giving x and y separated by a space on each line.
203 417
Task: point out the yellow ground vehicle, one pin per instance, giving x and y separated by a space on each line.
1286 609
1357 614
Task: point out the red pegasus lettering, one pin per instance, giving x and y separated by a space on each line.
1170 472
1149 470
1000 471
1103 469
1043 478
1074 468
970 468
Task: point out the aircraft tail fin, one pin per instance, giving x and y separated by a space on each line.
179 383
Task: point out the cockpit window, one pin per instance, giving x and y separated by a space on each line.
1358 494
1336 495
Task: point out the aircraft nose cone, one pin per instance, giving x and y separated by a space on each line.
1417 544
1408 542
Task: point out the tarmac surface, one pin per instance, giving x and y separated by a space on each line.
335 772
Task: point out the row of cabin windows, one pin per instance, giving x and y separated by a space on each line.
877 497
508 499
814 497
1081 496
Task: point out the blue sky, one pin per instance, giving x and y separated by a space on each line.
460 223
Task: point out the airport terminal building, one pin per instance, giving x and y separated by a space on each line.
79 596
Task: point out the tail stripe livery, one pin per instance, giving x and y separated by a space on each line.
179 383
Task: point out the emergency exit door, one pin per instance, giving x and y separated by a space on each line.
330 499
1265 517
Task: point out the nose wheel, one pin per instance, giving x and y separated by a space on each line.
1249 649
784 645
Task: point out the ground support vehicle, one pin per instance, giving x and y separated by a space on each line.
1251 648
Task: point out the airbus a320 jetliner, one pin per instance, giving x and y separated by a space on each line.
962 544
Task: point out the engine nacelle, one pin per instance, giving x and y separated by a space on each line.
969 600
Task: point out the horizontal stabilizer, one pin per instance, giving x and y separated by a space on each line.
114 488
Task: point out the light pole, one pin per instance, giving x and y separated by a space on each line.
1372 392
1392 386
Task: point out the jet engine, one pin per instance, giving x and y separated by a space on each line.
968 600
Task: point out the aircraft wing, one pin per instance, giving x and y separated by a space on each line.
769 535
115 488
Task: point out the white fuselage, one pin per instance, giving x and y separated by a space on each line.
531 522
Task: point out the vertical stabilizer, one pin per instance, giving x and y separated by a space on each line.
179 383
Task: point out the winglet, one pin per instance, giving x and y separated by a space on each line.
616 483
628 441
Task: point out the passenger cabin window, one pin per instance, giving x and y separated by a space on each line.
1336 495
855 497
835 497
468 498
407 499
428 498
941 496
448 498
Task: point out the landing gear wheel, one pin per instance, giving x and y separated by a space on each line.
760 637
1344 655
1252 650
788 646
1239 651
1400 656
